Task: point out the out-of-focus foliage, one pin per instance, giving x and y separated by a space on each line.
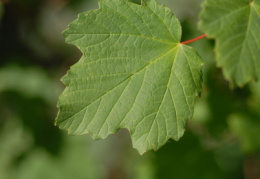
247 129
235 25
221 141
188 152
1 10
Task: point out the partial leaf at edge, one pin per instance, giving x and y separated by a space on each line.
134 74
236 26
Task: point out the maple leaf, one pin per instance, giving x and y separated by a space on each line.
236 27
134 74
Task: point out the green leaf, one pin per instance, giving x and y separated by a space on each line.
236 26
134 74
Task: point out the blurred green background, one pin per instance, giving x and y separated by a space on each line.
222 141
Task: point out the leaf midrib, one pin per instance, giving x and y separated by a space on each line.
166 88
146 66
125 34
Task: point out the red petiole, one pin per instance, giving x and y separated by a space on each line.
193 40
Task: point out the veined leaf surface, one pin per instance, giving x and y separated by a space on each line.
133 74
236 26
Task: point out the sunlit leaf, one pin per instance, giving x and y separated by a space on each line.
134 74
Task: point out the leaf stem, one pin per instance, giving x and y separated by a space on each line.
193 40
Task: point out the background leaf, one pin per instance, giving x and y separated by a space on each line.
236 26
